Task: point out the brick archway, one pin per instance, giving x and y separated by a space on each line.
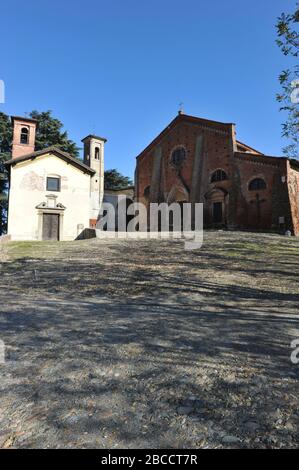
215 210
178 194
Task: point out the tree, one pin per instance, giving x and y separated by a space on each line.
5 154
288 41
115 180
49 132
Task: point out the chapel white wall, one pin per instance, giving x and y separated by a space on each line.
28 189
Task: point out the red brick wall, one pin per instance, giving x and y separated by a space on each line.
270 171
216 146
219 152
18 149
92 223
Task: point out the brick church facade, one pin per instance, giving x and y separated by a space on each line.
198 160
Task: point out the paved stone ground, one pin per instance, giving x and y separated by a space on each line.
142 344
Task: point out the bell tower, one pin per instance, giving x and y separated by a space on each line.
24 130
94 157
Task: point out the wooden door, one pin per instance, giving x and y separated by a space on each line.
217 212
51 227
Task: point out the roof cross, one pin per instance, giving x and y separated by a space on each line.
181 108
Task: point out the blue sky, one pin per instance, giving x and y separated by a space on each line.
120 68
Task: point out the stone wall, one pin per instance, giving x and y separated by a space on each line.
293 188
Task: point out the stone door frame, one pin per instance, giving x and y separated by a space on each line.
40 215
217 195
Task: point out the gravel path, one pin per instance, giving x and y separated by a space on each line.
142 344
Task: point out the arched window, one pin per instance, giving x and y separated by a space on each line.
97 153
178 156
256 184
24 135
218 175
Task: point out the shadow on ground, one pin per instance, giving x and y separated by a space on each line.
125 345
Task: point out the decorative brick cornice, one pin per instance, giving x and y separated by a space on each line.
213 129
259 159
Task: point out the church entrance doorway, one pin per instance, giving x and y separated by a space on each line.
50 227
179 195
217 213
215 207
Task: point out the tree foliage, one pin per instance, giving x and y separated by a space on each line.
288 42
49 132
5 154
115 180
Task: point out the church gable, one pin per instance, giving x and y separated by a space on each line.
179 157
183 119
48 152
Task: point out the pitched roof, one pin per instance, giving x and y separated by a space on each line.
19 118
92 136
58 153
263 159
242 147
184 118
